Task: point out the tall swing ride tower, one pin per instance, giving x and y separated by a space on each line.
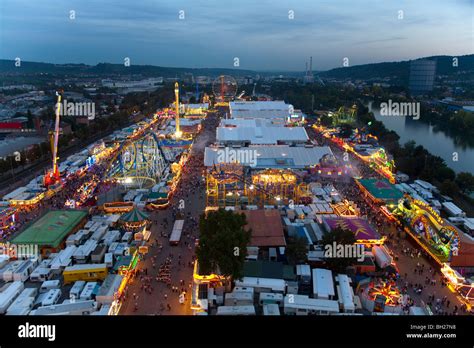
178 132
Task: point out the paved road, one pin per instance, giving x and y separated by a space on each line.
181 256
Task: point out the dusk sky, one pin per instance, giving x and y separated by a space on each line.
213 32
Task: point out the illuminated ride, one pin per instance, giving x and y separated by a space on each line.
387 291
458 283
224 186
141 163
227 185
134 220
380 162
344 115
224 89
53 176
7 217
328 166
279 187
435 235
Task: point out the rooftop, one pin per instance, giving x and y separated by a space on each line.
268 269
261 135
381 189
267 229
360 227
274 156
259 105
323 283
51 228
260 109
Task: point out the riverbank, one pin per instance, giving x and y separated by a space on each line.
425 166
458 155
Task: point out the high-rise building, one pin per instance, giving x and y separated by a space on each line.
422 76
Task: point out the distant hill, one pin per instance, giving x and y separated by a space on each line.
8 66
398 70
444 66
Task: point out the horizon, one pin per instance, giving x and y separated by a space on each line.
211 34
236 68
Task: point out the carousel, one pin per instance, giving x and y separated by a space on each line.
134 220
382 295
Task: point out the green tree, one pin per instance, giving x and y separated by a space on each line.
341 237
296 251
449 187
465 182
222 243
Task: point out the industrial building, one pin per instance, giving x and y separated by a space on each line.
422 76
282 156
276 110
244 132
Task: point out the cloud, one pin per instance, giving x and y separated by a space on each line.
214 31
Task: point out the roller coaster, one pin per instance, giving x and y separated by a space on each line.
138 163
437 236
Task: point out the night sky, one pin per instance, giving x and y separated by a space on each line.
260 33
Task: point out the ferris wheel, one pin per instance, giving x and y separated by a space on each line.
224 87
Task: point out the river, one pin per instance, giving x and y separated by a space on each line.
437 143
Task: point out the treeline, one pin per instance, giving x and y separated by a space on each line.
458 124
314 96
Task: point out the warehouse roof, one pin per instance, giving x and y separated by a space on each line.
259 105
261 135
268 114
259 109
247 122
267 229
51 228
273 156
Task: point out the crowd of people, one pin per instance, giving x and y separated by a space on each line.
168 269
72 190
397 246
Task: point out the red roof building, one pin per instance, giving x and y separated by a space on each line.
267 228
